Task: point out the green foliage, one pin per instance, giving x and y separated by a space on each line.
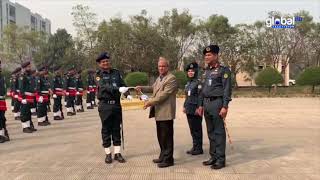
136 78
181 78
310 77
268 77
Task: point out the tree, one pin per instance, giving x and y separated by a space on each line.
85 23
20 43
53 52
178 31
268 77
310 77
136 79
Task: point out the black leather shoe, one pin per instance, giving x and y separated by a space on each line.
108 159
157 161
44 123
2 139
6 134
197 152
90 107
218 165
190 151
165 164
57 118
27 130
209 162
118 157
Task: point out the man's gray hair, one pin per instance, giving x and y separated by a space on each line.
161 58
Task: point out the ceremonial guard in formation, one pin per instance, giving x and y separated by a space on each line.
4 135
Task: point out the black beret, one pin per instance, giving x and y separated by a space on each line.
193 66
57 68
104 55
71 68
16 70
211 48
25 64
42 68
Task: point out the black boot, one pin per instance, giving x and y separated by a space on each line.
218 165
32 126
57 118
6 133
27 130
108 159
209 162
118 157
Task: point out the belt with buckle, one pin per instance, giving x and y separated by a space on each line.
111 102
208 99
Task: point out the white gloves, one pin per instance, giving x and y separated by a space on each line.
16 96
129 97
78 93
8 94
24 101
144 97
67 93
123 90
40 99
54 96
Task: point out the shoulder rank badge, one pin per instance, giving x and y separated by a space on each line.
225 75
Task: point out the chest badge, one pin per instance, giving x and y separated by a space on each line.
225 75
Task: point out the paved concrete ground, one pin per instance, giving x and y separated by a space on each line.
273 139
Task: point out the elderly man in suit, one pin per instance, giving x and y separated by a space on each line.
163 108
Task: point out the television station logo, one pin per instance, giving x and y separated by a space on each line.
283 22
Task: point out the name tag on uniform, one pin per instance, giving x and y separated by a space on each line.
189 92
114 84
210 82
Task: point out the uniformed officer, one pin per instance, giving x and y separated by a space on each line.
34 81
16 93
57 89
215 95
71 91
43 97
27 97
110 84
91 90
79 87
4 135
191 104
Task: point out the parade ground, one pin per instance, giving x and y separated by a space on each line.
272 138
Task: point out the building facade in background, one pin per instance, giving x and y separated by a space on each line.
14 13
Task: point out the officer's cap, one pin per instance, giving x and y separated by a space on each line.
104 55
193 66
25 64
211 48
42 68
71 68
57 68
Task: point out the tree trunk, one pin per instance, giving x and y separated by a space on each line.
313 88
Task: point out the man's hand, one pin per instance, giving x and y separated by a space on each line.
146 105
199 111
123 90
54 96
223 112
24 101
40 99
138 88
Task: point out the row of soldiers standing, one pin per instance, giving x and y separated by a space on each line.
31 91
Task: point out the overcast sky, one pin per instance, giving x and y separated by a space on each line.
238 11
